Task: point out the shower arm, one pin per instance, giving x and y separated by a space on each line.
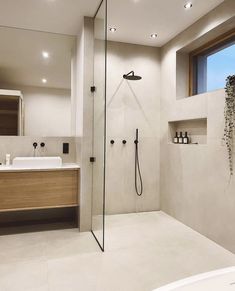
131 73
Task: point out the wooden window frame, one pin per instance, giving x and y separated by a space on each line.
205 49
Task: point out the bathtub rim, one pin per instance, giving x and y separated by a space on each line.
195 279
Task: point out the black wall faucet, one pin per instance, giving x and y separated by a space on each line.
35 144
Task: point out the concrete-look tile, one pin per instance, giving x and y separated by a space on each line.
115 180
143 251
120 191
69 243
22 247
22 146
160 231
195 191
155 267
115 124
24 276
149 153
92 272
131 105
157 246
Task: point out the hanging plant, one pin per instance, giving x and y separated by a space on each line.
229 115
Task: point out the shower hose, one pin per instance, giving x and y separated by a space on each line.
138 175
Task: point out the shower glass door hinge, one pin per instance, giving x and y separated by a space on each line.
93 88
92 159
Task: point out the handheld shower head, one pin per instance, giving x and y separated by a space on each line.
131 76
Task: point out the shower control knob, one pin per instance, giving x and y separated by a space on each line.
112 141
124 141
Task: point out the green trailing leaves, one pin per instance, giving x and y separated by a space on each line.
229 115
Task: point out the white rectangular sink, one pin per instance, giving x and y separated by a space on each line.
37 162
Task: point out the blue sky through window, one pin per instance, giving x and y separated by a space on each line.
219 66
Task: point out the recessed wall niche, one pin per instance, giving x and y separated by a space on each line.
196 129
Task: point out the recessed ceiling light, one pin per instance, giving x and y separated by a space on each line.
44 81
153 35
188 5
45 54
113 29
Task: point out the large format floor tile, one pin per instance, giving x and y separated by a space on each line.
24 276
143 251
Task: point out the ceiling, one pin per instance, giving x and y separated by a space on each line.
22 63
27 27
135 20
58 16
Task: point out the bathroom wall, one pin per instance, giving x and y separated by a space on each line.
22 146
83 104
131 105
195 186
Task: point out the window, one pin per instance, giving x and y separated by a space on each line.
211 64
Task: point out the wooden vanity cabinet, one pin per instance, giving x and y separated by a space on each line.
38 189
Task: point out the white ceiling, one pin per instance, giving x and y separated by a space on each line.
59 16
21 61
134 19
20 49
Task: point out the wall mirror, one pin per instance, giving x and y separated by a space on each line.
35 83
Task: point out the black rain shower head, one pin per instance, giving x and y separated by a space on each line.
132 77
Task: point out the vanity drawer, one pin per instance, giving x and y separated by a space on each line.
38 189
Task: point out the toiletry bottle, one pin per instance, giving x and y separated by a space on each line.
181 138
176 138
8 157
186 138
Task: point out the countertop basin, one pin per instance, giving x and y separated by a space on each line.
37 162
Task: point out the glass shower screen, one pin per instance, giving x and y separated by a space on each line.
99 124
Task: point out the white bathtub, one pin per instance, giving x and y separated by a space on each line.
220 280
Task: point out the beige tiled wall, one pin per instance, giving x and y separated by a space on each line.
131 105
195 186
83 79
22 146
